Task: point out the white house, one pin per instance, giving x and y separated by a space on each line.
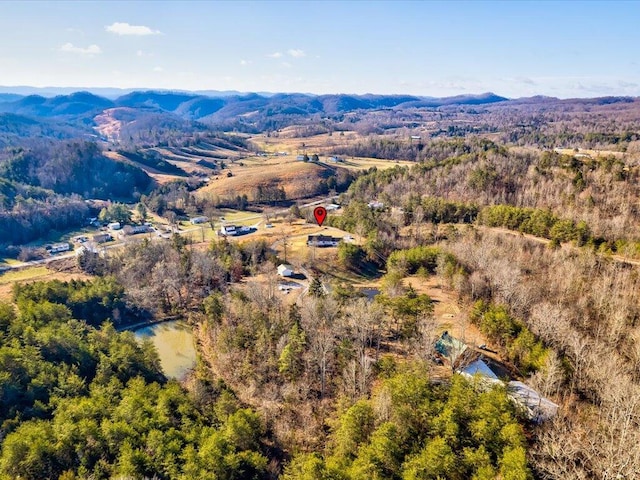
285 270
59 247
228 230
114 226
375 204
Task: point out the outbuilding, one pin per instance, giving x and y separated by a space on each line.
285 270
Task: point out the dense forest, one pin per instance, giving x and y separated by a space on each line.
80 401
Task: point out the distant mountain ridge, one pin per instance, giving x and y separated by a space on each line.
195 106
164 110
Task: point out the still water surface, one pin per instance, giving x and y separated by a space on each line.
174 342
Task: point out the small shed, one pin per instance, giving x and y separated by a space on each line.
199 220
448 346
285 270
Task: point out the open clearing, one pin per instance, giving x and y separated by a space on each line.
448 314
590 152
39 273
298 179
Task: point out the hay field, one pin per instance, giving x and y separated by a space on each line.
299 179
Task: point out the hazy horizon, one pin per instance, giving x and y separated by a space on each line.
114 92
514 49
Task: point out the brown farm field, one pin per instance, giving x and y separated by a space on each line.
158 176
322 145
298 179
288 141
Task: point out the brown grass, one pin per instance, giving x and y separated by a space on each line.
158 176
299 179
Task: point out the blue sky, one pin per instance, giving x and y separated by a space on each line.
516 48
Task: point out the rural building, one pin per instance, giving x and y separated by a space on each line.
322 241
101 238
300 158
285 270
375 204
450 347
199 220
479 367
114 226
336 160
229 230
136 229
332 206
60 247
537 408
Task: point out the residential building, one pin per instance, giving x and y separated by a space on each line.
102 238
322 241
229 230
60 247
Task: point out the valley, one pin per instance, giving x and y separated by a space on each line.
478 248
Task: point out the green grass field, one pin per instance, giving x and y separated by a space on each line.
23 274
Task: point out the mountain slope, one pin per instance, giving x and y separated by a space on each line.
76 104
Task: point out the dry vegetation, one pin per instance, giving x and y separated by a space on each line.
298 179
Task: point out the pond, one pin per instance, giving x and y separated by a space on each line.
175 345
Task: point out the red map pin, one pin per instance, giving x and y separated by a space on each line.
320 213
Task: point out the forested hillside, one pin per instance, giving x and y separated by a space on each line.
42 187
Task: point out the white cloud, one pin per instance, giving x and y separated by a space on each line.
123 28
244 63
139 53
286 64
296 52
158 69
275 55
90 50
